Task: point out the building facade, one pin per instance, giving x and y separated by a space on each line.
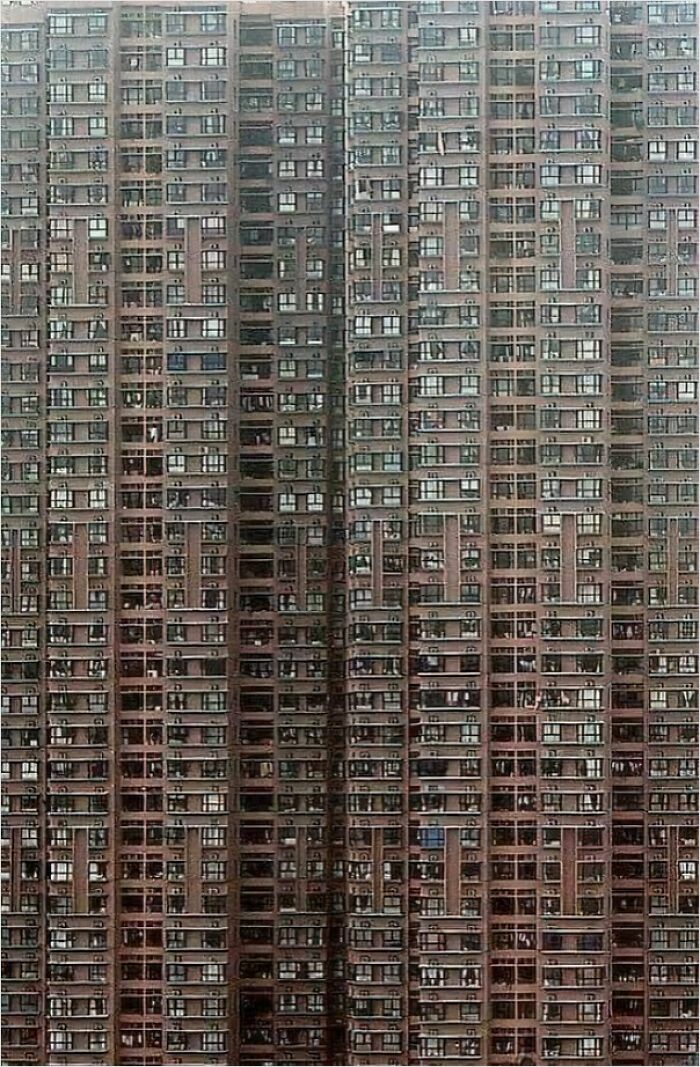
350 532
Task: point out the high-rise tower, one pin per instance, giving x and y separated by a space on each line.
350 581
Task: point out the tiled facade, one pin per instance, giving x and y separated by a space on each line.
350 533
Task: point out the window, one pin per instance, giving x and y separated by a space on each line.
213 259
430 246
431 212
588 174
213 328
313 101
213 56
549 278
61 94
212 22
61 25
97 229
175 56
287 202
212 972
60 871
588 36
469 176
550 174
60 1041
287 168
212 226
431 177
215 1042
587 69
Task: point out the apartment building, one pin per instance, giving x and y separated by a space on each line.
350 532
